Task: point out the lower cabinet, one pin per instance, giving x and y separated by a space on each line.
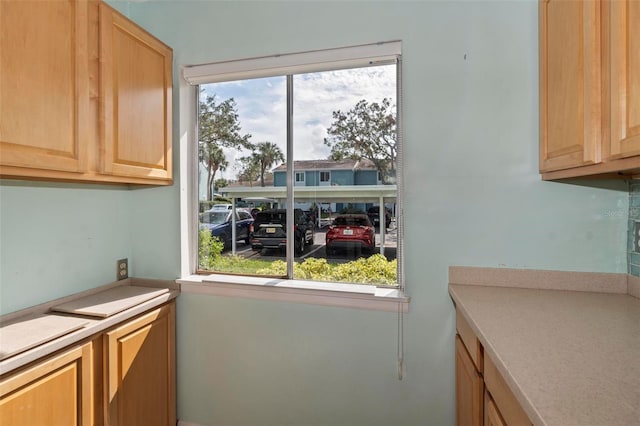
140 370
492 416
469 388
123 376
56 391
482 395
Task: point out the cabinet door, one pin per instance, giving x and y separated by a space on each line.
469 387
570 84
624 74
492 416
57 391
44 86
140 370
136 89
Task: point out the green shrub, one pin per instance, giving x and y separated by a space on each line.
209 250
375 269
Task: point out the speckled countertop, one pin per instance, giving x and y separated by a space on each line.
569 357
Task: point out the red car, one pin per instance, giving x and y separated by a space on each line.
351 231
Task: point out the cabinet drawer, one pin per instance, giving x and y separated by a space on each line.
470 341
507 404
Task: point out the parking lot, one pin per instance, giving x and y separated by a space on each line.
318 249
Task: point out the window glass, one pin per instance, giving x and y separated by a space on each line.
344 160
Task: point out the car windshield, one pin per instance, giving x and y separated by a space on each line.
223 207
271 217
214 217
351 221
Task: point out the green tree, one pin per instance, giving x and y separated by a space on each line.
367 131
220 183
218 128
213 159
249 169
265 155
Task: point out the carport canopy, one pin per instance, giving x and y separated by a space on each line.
315 193
339 193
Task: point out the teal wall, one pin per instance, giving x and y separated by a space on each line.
473 197
59 239
634 227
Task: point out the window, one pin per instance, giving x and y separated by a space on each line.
262 127
325 178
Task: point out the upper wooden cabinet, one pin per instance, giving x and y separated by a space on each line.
569 84
624 74
589 88
136 99
85 95
44 85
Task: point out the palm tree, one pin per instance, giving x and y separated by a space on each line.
266 154
213 159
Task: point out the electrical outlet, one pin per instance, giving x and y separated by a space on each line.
122 269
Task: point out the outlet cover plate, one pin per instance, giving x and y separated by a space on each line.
122 269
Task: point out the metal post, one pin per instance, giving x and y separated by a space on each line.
382 219
290 171
233 225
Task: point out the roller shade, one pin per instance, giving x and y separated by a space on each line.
294 63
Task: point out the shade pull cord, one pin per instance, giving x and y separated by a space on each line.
400 342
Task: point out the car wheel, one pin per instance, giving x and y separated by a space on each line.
301 245
225 240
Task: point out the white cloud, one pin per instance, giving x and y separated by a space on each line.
262 105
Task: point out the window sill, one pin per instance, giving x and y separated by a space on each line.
297 291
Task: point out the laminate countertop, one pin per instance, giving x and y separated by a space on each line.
33 333
569 357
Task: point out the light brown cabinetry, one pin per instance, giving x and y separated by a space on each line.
44 85
482 396
589 88
140 370
56 391
135 88
492 416
469 388
504 404
123 376
85 95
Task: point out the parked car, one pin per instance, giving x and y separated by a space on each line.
220 207
351 231
269 230
219 223
374 216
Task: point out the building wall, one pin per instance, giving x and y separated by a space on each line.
366 177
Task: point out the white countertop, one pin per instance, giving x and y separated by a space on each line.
569 357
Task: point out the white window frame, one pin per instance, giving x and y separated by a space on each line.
300 182
291 290
324 182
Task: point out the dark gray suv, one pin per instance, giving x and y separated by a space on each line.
270 230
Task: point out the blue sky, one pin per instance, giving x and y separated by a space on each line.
261 106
